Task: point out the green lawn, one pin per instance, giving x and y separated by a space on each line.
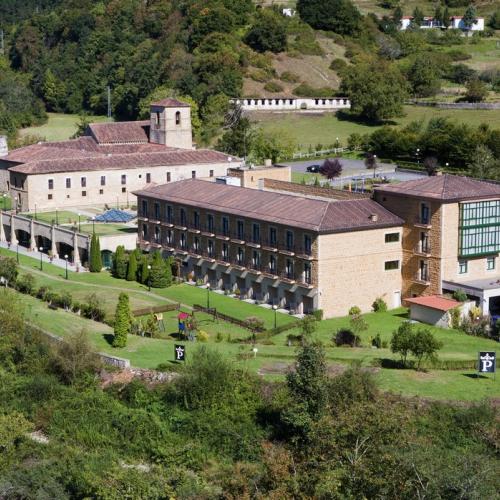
311 130
108 228
5 202
62 217
274 355
59 126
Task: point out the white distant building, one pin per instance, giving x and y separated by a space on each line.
456 22
310 104
289 12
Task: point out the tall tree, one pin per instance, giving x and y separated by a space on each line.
120 263
331 168
268 33
340 16
469 17
144 270
95 263
122 321
446 18
160 274
132 267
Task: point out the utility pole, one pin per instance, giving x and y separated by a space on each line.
109 102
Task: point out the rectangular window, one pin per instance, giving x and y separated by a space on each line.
170 237
196 219
225 226
193 174
256 233
255 259
425 246
170 213
83 182
307 273
196 244
392 237
463 267
272 236
157 237
144 208
289 240
148 178
211 173
424 214
272 264
101 191
68 182
240 230
103 180
51 183
49 196
289 269
240 256
169 177
157 211
183 217
424 271
389 265
124 179
144 231
225 252
183 241
490 263
84 193
479 228
210 248
307 244
124 190
210 223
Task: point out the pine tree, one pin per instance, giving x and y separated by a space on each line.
446 18
160 275
95 262
144 271
132 266
120 263
122 321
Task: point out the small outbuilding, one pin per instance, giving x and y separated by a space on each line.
435 309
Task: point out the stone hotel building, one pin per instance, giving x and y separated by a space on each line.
421 237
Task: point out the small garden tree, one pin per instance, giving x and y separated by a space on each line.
122 321
476 90
120 263
132 267
95 264
424 345
160 275
402 341
8 269
143 272
331 168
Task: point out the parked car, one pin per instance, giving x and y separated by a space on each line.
314 169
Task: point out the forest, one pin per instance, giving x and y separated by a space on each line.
70 430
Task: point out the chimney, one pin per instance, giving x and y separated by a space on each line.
4 148
374 217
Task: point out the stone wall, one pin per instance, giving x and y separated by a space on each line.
252 177
310 191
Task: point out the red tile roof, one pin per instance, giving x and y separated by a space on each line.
313 214
434 302
170 103
447 188
120 132
166 157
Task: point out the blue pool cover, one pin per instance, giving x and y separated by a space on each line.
115 215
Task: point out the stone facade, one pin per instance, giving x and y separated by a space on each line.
253 177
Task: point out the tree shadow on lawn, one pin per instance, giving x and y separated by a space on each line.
346 116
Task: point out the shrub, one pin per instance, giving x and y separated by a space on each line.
65 300
288 76
345 337
458 55
26 283
259 75
92 309
305 90
377 341
42 293
273 87
424 346
460 295
455 317
354 311
8 269
379 305
318 314
202 336
401 341
122 321
254 323
219 337
338 64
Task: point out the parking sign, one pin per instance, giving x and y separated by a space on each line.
487 362
179 352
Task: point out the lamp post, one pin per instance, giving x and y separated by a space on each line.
41 258
208 295
66 259
275 308
17 253
57 218
93 225
35 213
79 222
374 166
418 156
149 278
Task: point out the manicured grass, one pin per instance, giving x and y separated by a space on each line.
62 217
108 228
5 202
59 126
311 130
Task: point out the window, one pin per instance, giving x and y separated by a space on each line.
307 273
240 226
210 248
256 233
424 243
183 216
210 223
307 244
193 174
479 228
144 231
157 235
289 269
272 236
144 208
169 177
177 117
225 252
101 191
68 182
211 173
51 183
390 265
183 241
170 213
196 244
170 237
490 263
196 219
255 259
157 211
424 213
124 179
103 180
83 182
423 271
49 196
462 267
225 226
148 178
289 240
124 190
84 193
272 264
157 119
240 256
392 237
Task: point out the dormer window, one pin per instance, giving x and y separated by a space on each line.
177 117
